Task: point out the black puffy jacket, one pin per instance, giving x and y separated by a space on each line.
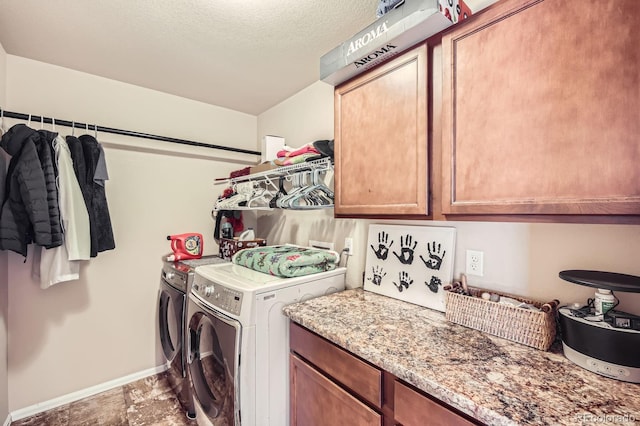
24 217
46 155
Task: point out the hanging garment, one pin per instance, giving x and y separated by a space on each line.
3 175
73 210
99 219
77 157
63 263
45 154
24 217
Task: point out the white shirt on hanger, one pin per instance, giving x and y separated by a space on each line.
61 264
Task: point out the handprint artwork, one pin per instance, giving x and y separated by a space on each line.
434 283
406 250
383 246
405 281
378 274
435 257
395 276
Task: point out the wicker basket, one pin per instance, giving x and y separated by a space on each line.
532 328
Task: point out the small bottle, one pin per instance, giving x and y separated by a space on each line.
604 301
248 235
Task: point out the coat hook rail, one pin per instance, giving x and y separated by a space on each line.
78 125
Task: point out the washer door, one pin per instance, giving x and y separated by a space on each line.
214 341
171 305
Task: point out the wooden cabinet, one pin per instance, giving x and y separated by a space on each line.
339 364
381 152
329 385
316 400
541 110
413 408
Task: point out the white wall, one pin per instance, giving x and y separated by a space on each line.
521 258
4 303
302 118
103 327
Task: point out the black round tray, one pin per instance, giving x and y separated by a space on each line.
600 279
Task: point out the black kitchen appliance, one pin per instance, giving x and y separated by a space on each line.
606 344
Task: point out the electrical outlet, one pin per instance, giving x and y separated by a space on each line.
348 246
475 263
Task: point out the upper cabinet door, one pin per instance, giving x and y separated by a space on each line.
541 109
381 140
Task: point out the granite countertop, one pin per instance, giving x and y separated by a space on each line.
494 380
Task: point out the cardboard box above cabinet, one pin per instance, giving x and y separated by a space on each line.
409 23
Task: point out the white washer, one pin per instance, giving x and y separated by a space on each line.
239 341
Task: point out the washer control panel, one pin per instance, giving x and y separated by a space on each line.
217 295
175 278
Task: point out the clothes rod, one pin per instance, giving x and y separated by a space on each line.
94 127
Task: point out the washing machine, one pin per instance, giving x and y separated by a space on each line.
175 283
238 360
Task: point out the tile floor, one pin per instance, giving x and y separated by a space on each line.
146 402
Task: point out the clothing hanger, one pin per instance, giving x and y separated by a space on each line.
260 199
296 183
54 142
304 194
281 192
242 193
314 195
1 122
29 121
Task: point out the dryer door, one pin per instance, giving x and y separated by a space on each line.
214 341
171 304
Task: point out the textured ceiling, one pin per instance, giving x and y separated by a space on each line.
246 55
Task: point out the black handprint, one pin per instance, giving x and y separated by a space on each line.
405 281
406 250
434 283
435 258
383 250
378 273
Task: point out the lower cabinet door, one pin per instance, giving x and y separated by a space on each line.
316 400
415 409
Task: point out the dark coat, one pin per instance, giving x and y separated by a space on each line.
77 157
3 175
24 217
96 199
46 155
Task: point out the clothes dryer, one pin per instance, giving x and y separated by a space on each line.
175 283
238 360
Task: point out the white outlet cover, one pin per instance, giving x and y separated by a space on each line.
475 263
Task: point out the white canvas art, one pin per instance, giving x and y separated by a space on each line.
410 263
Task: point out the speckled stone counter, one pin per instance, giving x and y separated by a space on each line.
496 381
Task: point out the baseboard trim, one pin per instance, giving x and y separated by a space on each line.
7 422
81 394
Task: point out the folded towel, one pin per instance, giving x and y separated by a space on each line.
287 260
287 161
305 149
